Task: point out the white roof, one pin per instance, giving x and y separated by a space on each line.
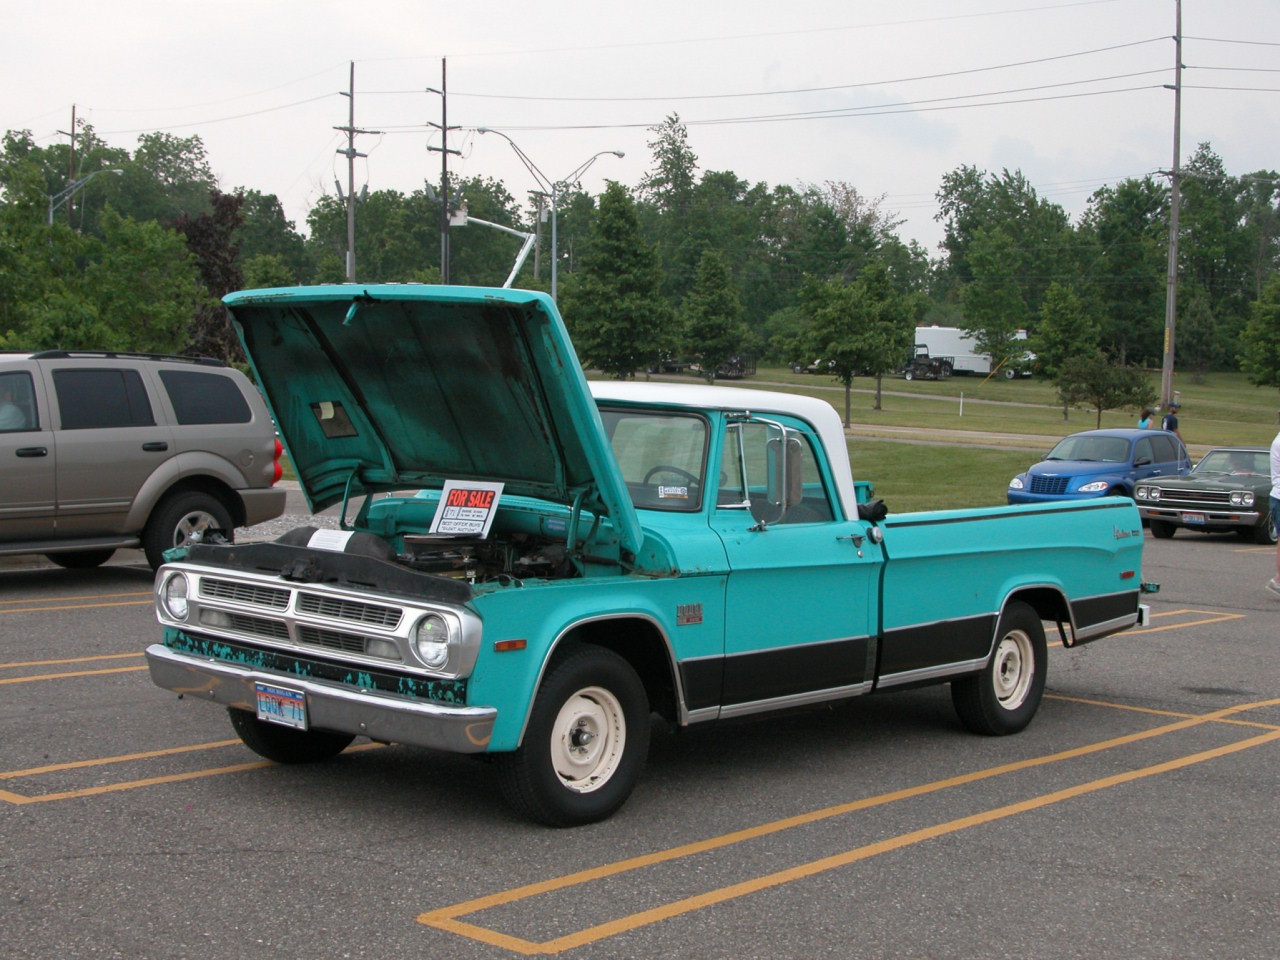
817 413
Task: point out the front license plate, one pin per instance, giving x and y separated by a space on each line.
1193 518
279 705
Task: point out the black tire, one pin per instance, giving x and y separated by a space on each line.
1162 529
1004 697
81 559
177 518
1265 532
559 780
284 744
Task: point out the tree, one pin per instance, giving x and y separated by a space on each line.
669 185
1201 343
264 231
612 304
1093 381
209 238
1066 329
859 328
993 304
1260 341
711 316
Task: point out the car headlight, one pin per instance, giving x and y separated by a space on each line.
1241 498
1094 486
173 596
431 641
1153 493
1015 483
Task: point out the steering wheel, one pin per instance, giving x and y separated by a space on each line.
690 478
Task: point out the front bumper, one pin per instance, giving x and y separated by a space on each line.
1215 518
329 706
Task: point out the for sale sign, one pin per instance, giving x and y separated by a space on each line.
466 508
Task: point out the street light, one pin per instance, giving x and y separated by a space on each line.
551 188
58 199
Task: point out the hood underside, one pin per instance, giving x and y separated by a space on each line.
396 387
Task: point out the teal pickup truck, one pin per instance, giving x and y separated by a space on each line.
536 565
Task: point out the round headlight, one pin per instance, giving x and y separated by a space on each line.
1140 493
1154 493
431 641
174 596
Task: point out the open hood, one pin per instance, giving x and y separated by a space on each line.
396 387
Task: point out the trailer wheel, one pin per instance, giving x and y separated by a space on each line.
587 740
1006 694
284 745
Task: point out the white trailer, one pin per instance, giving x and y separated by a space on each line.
952 343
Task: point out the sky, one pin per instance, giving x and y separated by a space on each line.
886 97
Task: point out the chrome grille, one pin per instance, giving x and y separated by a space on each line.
252 594
331 639
1188 498
245 624
354 611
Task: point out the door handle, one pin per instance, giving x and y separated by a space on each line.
32 451
155 446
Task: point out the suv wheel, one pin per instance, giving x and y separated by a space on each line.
186 518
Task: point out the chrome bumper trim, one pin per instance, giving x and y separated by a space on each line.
329 707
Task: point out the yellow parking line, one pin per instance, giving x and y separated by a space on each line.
122 758
71 673
78 606
445 918
54 663
1158 713
17 798
89 596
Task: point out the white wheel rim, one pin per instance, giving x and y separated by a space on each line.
193 525
588 739
1013 669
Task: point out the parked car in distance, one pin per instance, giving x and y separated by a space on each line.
1228 489
1100 463
100 451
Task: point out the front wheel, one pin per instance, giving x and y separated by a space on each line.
1265 532
587 740
1004 697
284 744
1162 529
192 517
908 375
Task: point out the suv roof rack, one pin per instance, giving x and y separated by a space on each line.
124 355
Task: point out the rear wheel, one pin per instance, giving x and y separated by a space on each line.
1004 697
587 740
909 375
1162 529
187 518
81 559
284 744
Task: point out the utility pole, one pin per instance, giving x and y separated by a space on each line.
1171 295
71 164
443 127
351 153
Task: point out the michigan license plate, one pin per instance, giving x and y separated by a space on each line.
280 705
1193 518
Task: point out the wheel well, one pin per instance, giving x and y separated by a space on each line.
640 643
214 488
1048 602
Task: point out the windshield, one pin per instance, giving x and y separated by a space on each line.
1235 463
662 456
1105 449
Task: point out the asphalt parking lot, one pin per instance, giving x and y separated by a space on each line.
1136 817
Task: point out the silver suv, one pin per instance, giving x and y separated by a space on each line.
100 451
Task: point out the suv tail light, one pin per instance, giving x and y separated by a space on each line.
278 470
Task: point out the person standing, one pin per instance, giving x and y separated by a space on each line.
1144 421
1274 583
1170 421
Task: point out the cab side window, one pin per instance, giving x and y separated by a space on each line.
17 403
747 455
93 399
